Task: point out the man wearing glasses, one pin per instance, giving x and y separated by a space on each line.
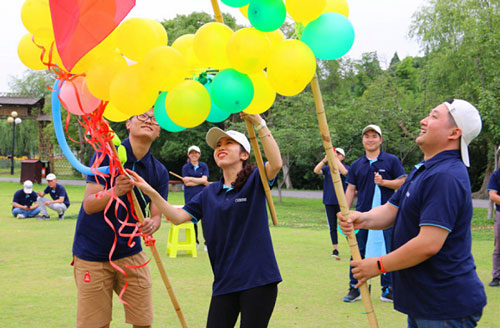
98 232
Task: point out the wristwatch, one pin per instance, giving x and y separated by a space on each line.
261 125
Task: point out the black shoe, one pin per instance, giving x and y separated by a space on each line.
495 282
61 216
43 217
386 295
353 295
335 254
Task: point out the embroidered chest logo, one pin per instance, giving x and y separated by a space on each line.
407 194
381 170
240 200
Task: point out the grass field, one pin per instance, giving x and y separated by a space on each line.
37 288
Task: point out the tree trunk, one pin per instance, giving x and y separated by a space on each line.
286 173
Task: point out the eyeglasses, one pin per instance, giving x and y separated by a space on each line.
144 117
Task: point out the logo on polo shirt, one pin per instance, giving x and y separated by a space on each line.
240 200
381 170
407 194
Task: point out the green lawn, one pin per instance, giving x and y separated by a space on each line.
37 287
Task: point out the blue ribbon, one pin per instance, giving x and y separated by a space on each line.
375 243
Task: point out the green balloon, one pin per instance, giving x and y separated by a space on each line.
330 36
235 3
267 15
162 117
232 91
216 114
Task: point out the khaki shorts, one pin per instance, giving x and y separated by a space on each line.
96 281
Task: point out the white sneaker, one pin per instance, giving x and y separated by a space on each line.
20 216
206 249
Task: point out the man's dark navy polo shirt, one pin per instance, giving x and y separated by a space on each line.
22 198
329 196
494 184
362 174
188 170
93 236
236 229
446 285
58 192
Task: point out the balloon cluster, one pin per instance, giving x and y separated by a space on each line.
203 76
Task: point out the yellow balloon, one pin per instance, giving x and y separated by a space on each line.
305 11
111 113
161 32
275 37
248 50
244 10
292 66
128 92
30 54
264 95
35 15
210 43
337 6
136 36
165 66
101 73
184 44
188 104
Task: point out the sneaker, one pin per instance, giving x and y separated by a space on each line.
495 282
61 216
206 249
353 295
335 254
197 246
386 295
43 217
20 216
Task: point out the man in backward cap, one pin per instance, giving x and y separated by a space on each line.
59 201
434 274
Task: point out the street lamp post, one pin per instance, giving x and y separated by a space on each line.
14 120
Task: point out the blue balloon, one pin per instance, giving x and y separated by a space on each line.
266 15
216 114
330 36
61 139
161 115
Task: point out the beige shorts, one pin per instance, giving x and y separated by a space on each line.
96 281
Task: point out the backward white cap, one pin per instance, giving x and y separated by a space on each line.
468 120
215 134
28 186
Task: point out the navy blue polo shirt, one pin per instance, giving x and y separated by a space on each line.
236 229
494 184
445 286
57 193
93 236
189 170
329 196
362 174
24 199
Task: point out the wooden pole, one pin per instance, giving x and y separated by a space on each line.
262 170
175 175
339 191
161 268
156 255
253 140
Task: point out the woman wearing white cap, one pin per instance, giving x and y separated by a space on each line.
235 226
195 177
329 197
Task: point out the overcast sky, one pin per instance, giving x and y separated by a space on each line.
380 26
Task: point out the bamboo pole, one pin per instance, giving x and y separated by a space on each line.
339 191
175 175
253 140
156 255
262 171
161 268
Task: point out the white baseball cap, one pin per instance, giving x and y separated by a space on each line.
28 187
468 120
51 176
340 151
215 134
372 127
195 148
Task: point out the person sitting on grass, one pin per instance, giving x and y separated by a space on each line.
59 201
24 204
